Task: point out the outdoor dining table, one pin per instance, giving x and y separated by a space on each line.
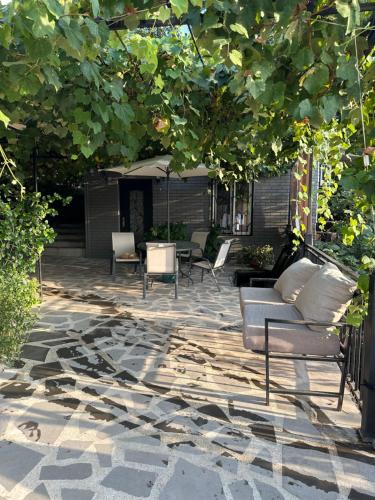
182 247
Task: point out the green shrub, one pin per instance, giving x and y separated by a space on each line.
18 296
24 232
256 256
178 232
213 243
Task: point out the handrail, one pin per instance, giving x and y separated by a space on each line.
325 257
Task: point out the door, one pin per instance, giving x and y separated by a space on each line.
135 206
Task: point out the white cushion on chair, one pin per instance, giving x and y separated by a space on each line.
326 296
203 264
293 279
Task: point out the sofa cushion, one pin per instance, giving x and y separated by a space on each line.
251 295
294 278
292 339
326 296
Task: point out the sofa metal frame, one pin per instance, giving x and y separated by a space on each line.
341 359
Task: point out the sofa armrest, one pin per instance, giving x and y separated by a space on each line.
339 325
259 280
302 322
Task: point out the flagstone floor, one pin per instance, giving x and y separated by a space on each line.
117 397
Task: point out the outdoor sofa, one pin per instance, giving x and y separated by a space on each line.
299 318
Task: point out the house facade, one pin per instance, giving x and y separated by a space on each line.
255 213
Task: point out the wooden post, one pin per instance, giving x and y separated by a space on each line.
309 237
36 188
368 371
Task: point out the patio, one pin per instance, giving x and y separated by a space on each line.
117 397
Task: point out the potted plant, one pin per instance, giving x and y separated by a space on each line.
257 257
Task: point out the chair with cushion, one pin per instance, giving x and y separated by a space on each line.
199 237
221 258
299 319
123 251
161 260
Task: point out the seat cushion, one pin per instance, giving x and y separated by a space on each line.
326 296
292 339
294 278
134 259
251 295
203 264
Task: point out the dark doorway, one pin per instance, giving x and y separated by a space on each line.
136 206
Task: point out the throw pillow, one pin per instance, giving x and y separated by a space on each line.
326 296
293 279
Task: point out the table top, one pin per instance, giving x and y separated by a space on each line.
181 245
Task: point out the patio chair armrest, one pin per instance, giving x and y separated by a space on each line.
255 280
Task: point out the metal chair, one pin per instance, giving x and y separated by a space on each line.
123 250
160 260
199 237
205 264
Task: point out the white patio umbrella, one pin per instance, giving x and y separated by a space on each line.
159 167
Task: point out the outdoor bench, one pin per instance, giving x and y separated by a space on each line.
299 318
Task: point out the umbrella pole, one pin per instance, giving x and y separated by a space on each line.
168 221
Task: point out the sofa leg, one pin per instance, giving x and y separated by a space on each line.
343 381
267 379
145 279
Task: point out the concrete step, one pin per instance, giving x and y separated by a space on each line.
67 244
64 252
70 237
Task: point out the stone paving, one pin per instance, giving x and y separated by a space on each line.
117 397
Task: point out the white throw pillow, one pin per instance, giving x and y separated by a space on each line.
294 278
326 296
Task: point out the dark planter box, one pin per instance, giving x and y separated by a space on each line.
242 277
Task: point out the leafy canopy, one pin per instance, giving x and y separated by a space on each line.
98 96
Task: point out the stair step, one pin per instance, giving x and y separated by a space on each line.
64 252
67 244
70 237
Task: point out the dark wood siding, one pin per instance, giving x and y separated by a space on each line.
102 215
190 203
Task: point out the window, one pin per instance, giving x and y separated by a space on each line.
232 207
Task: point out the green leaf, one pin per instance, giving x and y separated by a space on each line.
305 108
330 106
164 13
238 28
95 7
236 57
81 116
179 120
92 26
52 77
124 112
343 8
346 70
316 79
87 151
304 58
54 7
349 9
42 25
91 72
179 7
4 119
5 35
255 87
